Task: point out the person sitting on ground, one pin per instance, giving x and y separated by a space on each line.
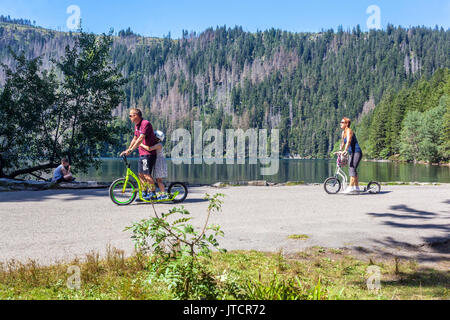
62 173
160 170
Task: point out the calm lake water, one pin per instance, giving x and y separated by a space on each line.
309 171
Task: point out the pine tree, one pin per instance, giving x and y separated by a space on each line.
410 136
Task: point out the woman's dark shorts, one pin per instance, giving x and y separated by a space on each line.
146 164
355 158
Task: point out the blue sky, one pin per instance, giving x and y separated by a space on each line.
158 18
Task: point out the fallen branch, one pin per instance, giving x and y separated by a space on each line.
14 174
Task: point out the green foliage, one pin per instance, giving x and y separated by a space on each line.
445 147
278 289
45 118
432 133
178 251
410 136
27 106
187 279
90 91
412 123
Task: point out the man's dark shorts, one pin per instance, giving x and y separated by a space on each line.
146 164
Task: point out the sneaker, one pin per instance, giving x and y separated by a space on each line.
352 191
146 196
163 197
348 190
151 197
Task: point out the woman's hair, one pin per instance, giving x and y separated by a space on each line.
136 111
347 121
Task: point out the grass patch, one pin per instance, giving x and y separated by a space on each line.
294 183
336 251
317 273
298 237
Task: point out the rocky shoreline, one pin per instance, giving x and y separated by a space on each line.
440 164
29 185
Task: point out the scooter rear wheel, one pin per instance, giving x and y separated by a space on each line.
181 191
373 187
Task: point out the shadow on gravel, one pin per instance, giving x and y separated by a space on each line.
192 201
71 195
366 194
435 250
431 244
441 227
404 212
431 247
170 203
61 194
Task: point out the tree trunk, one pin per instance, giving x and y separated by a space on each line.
31 170
2 165
52 159
73 131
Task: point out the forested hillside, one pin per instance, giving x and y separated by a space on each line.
301 83
412 124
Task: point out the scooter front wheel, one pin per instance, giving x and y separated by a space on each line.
332 185
122 192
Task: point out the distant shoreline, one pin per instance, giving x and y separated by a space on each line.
328 159
447 164
406 162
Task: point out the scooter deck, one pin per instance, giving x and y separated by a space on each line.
356 192
170 199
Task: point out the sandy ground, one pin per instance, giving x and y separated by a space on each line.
403 221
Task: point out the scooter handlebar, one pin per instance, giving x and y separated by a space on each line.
124 157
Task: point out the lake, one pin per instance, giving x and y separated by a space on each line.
309 171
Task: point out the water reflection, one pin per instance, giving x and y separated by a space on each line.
309 171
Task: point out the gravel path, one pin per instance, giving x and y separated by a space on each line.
56 225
